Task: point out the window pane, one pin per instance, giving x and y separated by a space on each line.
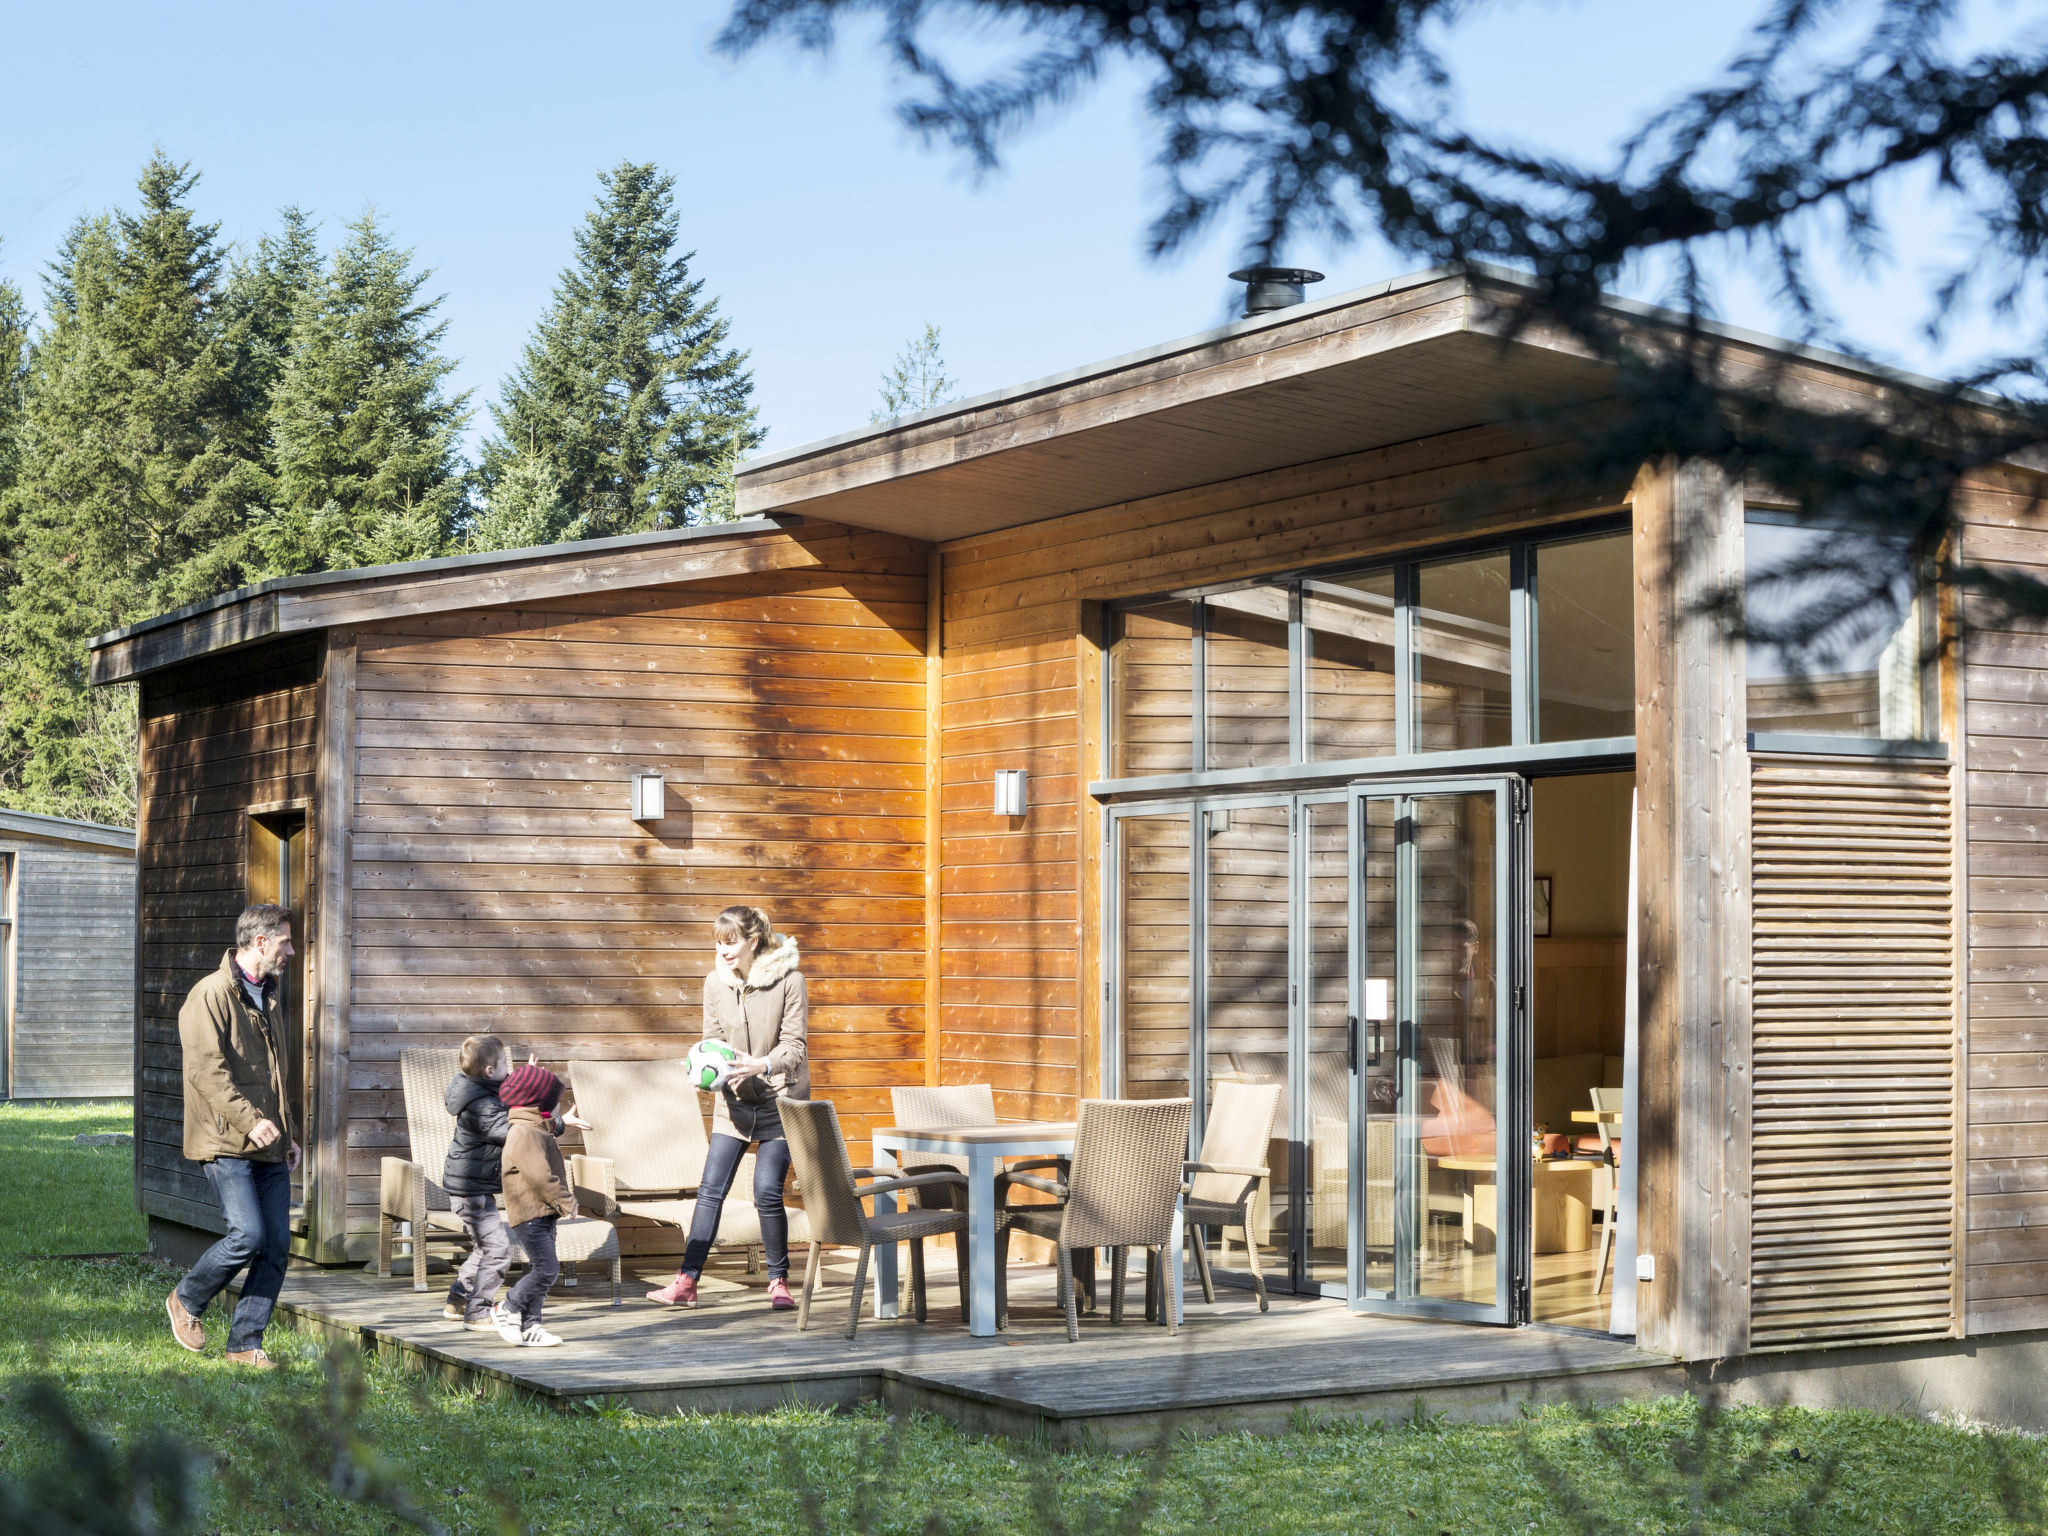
1156 956
1154 706
1585 639
1350 630
1329 1069
1863 675
1248 982
1244 673
1461 655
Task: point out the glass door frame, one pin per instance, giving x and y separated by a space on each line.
1514 943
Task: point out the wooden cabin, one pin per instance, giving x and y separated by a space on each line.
67 958
1365 749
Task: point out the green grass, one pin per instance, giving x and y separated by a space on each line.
470 1462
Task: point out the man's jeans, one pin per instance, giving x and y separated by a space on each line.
257 1200
476 1284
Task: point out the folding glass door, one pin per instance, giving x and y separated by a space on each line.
1437 1212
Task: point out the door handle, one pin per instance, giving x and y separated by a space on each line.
1351 1041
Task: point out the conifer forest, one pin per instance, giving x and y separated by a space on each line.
180 417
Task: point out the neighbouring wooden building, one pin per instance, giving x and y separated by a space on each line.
67 958
1363 752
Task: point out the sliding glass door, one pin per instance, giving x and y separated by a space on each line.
1440 1144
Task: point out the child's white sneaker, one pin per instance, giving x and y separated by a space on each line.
537 1337
507 1323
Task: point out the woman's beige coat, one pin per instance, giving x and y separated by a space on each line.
765 1015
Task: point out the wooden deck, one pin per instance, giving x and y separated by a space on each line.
1228 1369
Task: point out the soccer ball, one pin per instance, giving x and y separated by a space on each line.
710 1064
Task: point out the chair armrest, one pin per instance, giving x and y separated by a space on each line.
921 1181
1243 1170
1053 1187
595 1181
1032 1162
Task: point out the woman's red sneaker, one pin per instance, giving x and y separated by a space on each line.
679 1292
779 1297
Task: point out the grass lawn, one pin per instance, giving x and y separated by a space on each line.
313 1447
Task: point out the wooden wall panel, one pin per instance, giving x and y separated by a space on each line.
2005 725
500 885
1856 1053
217 737
72 1020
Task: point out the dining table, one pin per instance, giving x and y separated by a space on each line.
983 1147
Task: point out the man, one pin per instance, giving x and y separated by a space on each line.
238 1127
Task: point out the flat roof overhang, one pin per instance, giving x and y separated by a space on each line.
1402 360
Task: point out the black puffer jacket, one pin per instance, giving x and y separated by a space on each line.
475 1153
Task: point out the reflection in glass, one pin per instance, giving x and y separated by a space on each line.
1457 1215
1585 639
1868 676
1155 955
1244 674
1246 1029
1349 628
1153 702
1329 1069
1462 691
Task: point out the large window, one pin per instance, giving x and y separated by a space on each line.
1861 626
1491 650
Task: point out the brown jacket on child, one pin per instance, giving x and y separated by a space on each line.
536 1178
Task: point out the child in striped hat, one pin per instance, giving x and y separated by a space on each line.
537 1197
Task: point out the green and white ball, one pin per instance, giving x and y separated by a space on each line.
710 1064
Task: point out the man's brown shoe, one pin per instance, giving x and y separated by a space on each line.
184 1326
255 1359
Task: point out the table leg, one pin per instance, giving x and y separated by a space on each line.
884 1261
981 1241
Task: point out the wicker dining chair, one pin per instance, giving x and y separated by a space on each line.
833 1199
1226 1184
1120 1193
916 1109
1608 1101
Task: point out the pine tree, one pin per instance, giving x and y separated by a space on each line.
137 470
268 289
628 385
14 364
917 381
526 506
364 459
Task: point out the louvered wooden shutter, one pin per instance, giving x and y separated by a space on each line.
1854 1234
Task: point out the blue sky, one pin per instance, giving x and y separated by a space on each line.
829 234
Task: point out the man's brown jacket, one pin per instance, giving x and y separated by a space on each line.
234 1070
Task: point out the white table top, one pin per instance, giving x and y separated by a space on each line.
1030 1134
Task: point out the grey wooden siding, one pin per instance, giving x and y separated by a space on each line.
73 1022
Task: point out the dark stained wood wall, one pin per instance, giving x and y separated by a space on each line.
500 884
2005 709
217 737
1018 609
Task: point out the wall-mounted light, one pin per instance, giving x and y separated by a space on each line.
1379 1010
650 797
1011 797
1219 820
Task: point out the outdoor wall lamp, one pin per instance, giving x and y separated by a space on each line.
650 797
1011 797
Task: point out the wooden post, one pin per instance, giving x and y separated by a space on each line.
934 794
331 962
1088 933
1692 774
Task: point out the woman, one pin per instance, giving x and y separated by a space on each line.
756 1002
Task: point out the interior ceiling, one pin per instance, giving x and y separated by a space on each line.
1437 384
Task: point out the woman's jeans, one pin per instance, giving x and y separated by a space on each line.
537 1237
771 1169
256 1198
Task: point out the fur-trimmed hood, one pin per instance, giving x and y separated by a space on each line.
769 967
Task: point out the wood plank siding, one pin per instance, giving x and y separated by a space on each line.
218 736
71 1014
2005 717
499 883
1856 1052
1018 608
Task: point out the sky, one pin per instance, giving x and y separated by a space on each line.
829 234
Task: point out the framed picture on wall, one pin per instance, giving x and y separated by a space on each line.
1542 906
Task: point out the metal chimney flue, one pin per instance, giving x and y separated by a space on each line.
1270 288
